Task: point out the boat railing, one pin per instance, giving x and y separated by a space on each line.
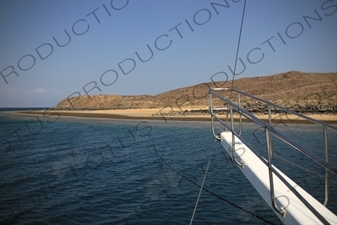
270 131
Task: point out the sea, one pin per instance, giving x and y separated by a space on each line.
71 170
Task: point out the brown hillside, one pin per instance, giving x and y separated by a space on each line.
293 88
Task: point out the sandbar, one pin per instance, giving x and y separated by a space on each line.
163 114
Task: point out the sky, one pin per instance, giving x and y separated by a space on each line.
52 49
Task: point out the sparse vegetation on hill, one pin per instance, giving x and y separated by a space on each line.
304 92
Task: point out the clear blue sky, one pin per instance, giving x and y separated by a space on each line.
105 36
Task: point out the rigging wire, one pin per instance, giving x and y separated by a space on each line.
237 51
296 165
210 192
248 200
301 167
239 41
202 185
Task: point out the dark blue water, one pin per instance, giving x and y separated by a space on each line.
71 170
22 109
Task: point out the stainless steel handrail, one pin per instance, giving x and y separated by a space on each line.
270 131
261 123
277 106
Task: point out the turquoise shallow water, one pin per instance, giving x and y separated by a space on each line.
100 171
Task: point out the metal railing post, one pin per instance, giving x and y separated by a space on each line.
271 180
269 114
240 115
217 137
233 137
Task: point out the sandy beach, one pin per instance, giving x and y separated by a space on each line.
160 114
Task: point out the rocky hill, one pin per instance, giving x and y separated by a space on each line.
304 92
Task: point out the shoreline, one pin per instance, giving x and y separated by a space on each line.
147 114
